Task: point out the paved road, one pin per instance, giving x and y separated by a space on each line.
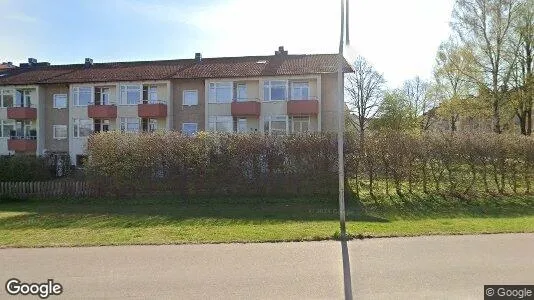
453 267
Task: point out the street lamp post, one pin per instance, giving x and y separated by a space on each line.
341 128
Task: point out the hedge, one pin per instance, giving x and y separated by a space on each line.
253 164
212 164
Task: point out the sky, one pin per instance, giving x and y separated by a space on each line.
399 37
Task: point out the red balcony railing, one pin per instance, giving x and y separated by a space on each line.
152 109
22 144
102 111
22 113
303 107
246 107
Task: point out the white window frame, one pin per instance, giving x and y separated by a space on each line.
7 92
6 123
56 96
213 121
300 86
188 124
241 98
124 100
76 127
212 91
239 122
269 84
151 93
102 123
189 104
275 118
64 127
124 121
76 95
300 120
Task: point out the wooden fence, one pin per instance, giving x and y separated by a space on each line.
45 189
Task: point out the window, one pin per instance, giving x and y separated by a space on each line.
241 125
102 125
23 129
129 124
220 92
300 124
275 90
300 91
130 94
275 124
82 95
23 98
60 101
82 128
149 125
241 91
150 94
102 96
190 98
221 123
189 128
6 98
59 132
6 128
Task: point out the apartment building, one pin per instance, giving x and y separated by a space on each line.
55 108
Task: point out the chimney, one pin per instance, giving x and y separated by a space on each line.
88 62
32 61
198 57
280 51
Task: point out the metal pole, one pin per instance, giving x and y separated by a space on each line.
341 128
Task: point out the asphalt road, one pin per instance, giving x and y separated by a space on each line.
451 267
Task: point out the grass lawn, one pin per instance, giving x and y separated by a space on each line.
82 222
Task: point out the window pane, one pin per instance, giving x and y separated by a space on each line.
189 128
7 98
132 97
7 128
278 93
84 96
60 101
190 98
241 92
18 98
60 132
242 125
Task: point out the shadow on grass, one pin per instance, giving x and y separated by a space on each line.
162 211
152 211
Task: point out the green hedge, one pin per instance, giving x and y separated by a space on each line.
384 162
212 164
24 168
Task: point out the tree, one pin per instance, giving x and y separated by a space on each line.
451 88
417 94
395 113
484 27
365 90
522 77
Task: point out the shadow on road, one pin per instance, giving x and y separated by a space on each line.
347 283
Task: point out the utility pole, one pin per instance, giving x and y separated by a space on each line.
341 129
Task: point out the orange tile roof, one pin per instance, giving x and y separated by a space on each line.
246 66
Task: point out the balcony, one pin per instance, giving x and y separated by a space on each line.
152 109
102 111
303 107
22 113
246 107
22 144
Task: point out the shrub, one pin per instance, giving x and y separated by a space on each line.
23 168
212 164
